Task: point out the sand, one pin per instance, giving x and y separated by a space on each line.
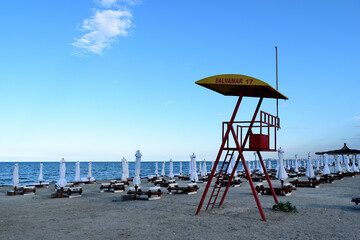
324 213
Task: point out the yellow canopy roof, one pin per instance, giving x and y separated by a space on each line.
232 84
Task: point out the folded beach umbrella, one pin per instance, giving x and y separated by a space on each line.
317 164
137 180
90 177
212 164
163 169
255 162
40 178
261 170
233 162
171 174
15 179
156 169
321 161
347 166
288 166
269 164
310 170
326 169
338 167
281 174
125 170
77 172
193 175
354 168
231 165
296 164
180 169
62 181
203 170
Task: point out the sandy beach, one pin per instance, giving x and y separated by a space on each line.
324 213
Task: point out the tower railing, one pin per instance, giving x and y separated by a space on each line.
263 133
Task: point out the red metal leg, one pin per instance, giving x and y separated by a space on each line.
267 177
219 154
241 149
249 178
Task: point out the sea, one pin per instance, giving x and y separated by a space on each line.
29 171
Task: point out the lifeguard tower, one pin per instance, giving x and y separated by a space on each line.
255 135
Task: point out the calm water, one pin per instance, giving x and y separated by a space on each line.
29 171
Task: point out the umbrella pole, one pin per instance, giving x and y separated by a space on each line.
282 183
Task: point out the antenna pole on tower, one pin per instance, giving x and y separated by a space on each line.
277 83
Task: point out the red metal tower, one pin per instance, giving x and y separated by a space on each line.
257 132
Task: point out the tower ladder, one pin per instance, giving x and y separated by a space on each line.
220 179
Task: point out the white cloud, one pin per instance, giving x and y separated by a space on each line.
103 28
112 3
107 3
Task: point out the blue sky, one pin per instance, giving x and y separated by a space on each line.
97 80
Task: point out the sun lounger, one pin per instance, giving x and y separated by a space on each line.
163 182
22 190
356 200
326 179
113 186
204 178
69 192
337 176
310 183
39 184
184 177
258 178
152 193
349 174
285 191
235 182
190 189
151 178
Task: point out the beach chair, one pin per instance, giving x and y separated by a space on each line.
356 200
326 179
284 191
39 184
235 181
113 186
313 183
22 190
258 178
151 178
153 193
204 178
163 182
337 176
184 177
349 174
190 189
69 192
